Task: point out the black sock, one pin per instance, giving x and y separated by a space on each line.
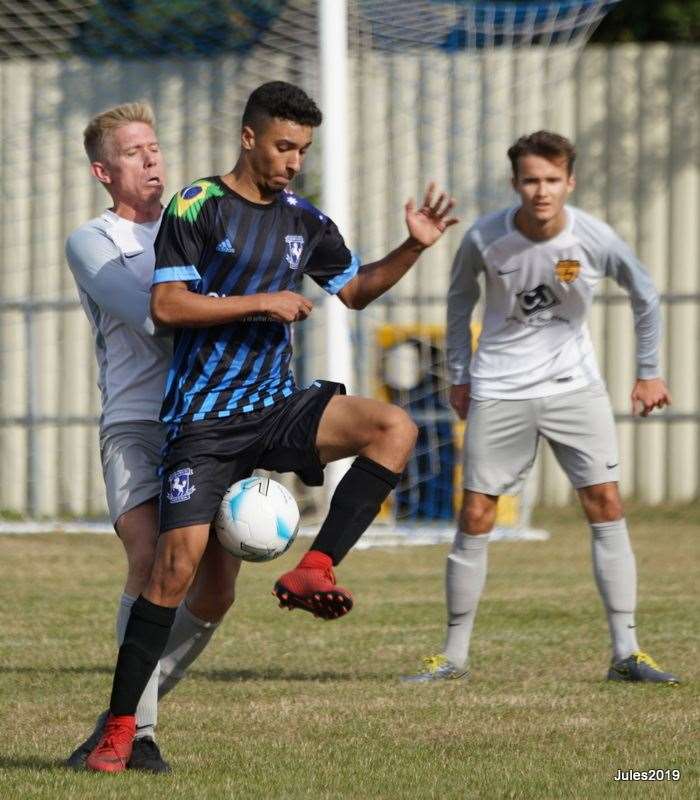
144 641
355 503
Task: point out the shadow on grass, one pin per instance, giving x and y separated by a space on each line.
276 674
233 675
94 670
35 762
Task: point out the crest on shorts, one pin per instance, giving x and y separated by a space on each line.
295 247
180 486
567 270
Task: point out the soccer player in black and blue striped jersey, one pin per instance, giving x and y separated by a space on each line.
230 256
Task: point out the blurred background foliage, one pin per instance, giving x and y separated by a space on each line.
212 27
651 21
196 28
174 27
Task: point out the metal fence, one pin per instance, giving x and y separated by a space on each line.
633 111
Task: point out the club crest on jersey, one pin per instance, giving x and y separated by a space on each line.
180 485
295 247
567 270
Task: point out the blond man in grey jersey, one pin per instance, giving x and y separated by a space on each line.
534 374
112 260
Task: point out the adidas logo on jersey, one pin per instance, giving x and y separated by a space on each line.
225 246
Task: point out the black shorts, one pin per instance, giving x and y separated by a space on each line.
205 458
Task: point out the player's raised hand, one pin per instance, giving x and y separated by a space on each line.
648 395
286 306
427 223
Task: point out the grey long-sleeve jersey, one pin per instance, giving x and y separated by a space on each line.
535 341
112 261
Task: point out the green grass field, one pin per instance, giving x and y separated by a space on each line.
286 706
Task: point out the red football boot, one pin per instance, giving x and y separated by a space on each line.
113 751
311 586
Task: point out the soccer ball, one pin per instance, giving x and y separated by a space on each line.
258 519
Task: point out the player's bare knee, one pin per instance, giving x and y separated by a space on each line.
400 431
476 518
172 576
411 434
139 573
221 603
219 598
226 599
211 608
141 560
602 503
609 510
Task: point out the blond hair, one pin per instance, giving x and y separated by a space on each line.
97 135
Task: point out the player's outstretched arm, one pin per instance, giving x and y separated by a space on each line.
649 394
425 226
173 305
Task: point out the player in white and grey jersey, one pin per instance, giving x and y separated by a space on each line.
112 260
534 374
534 340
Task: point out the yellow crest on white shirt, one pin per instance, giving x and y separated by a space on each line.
567 270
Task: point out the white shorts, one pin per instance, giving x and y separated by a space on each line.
501 439
131 453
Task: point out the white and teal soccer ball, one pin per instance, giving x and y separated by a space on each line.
258 519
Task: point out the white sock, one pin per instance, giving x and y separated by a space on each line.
464 582
616 576
188 638
147 709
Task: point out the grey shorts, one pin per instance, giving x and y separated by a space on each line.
501 439
131 453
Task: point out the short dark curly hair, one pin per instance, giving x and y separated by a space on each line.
546 144
283 101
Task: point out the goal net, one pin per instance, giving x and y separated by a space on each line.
438 90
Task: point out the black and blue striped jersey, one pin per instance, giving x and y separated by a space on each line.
221 244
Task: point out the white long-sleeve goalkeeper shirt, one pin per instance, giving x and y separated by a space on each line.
112 261
535 340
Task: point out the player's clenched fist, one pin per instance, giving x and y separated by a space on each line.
286 306
459 399
648 395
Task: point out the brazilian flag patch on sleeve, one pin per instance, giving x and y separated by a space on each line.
189 202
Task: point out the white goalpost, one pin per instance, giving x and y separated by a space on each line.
335 188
